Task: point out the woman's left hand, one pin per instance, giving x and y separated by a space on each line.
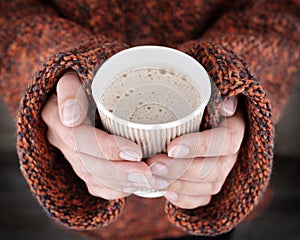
197 164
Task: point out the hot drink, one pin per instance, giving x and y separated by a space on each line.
151 96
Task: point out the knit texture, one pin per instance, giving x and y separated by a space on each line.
249 53
250 176
67 203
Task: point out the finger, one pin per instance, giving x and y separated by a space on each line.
46 112
96 187
89 140
187 187
121 176
187 201
205 170
229 107
223 140
126 177
72 101
106 193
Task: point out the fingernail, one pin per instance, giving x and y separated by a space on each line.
158 169
229 106
138 179
171 196
71 112
129 155
179 151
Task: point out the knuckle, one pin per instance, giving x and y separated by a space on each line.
74 159
69 138
209 167
223 169
51 138
205 200
47 116
226 164
108 194
65 80
49 110
216 188
44 114
221 173
204 145
234 141
194 203
187 203
87 178
178 187
108 152
78 167
198 170
93 191
107 148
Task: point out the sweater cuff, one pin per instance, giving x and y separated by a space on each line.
248 180
50 177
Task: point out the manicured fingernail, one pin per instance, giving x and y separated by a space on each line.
138 179
229 106
179 151
158 169
71 112
129 155
171 196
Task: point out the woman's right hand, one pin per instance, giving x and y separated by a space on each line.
110 165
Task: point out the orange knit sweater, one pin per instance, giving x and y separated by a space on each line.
249 48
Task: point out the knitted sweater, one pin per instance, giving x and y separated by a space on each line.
249 48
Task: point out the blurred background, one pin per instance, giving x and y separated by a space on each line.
22 218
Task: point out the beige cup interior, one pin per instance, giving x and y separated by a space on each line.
152 57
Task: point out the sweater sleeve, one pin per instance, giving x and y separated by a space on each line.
37 47
252 52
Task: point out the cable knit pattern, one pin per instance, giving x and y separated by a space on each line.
249 48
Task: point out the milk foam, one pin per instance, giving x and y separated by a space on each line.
151 96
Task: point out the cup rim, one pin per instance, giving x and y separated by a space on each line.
150 126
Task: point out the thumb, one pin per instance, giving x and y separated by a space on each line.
72 101
229 107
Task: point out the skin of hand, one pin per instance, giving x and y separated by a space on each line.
110 166
194 168
197 164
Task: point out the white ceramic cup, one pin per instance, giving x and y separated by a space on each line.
153 138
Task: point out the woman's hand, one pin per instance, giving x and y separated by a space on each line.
109 165
195 168
197 164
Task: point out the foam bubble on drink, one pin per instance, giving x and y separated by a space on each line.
150 96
